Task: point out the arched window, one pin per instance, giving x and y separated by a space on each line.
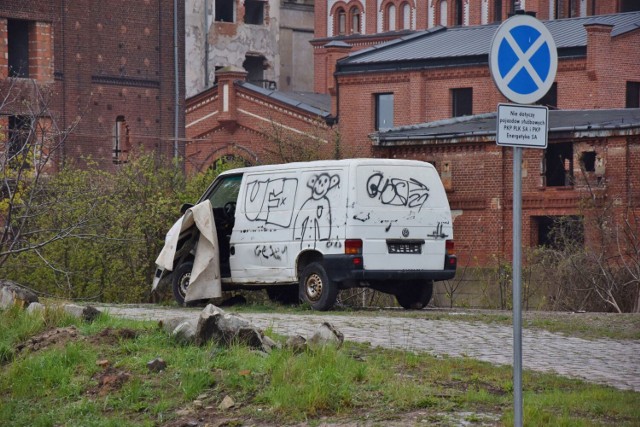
391 17
342 22
443 13
355 20
406 16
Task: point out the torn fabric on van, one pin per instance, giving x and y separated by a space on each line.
205 279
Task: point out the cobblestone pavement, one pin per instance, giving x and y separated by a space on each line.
604 361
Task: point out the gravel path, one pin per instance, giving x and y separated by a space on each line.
604 361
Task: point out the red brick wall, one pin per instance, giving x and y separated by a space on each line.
105 59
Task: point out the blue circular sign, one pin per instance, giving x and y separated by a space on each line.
523 59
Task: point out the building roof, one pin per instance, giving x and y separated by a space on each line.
441 46
314 103
573 123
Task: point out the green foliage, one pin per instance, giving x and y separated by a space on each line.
119 222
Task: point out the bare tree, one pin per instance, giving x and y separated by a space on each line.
30 141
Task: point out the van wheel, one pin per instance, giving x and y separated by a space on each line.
415 295
316 288
181 278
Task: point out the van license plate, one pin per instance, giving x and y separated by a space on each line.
404 248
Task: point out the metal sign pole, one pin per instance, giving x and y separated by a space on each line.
517 269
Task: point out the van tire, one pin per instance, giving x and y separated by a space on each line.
415 295
316 288
181 281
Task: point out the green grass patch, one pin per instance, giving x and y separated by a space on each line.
62 384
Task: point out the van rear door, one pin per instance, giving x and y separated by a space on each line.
402 215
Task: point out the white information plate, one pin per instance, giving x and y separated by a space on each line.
522 126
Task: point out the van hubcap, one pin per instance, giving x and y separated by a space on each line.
314 287
184 283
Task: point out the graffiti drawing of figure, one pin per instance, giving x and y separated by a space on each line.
313 222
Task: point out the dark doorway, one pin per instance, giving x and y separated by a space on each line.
559 164
18 48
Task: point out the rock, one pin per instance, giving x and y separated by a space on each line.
227 403
35 308
226 329
325 335
103 363
157 365
13 294
268 344
87 313
185 332
297 343
170 324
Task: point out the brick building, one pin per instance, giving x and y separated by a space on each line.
443 73
108 65
240 120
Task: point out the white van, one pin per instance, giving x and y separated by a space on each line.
307 230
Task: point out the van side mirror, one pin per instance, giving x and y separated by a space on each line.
184 207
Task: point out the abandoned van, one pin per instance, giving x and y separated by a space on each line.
305 231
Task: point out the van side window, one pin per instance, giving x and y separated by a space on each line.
226 191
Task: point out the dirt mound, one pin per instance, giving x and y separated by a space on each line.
53 337
109 380
113 336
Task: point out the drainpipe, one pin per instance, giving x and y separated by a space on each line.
176 80
206 44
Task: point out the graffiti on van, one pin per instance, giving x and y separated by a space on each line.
270 252
313 222
397 191
271 201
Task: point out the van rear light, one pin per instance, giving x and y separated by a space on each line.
353 246
450 247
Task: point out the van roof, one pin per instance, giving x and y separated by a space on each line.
329 163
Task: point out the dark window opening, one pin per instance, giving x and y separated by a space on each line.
461 102
633 95
18 48
629 5
497 11
559 232
588 161
255 66
459 12
225 10
120 140
550 99
559 164
355 20
254 12
19 131
342 22
384 111
515 5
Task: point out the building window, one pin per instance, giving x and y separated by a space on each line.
384 111
18 48
405 17
588 161
497 11
558 232
120 140
550 99
443 13
461 102
559 164
19 131
459 12
355 20
254 12
391 18
342 22
255 66
225 10
633 95
629 5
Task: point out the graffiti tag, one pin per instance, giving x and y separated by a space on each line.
396 191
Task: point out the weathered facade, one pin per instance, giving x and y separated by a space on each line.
237 119
109 66
269 39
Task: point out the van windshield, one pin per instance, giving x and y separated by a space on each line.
225 191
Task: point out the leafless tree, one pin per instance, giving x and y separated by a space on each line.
30 144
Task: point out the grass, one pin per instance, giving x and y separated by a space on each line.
62 384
